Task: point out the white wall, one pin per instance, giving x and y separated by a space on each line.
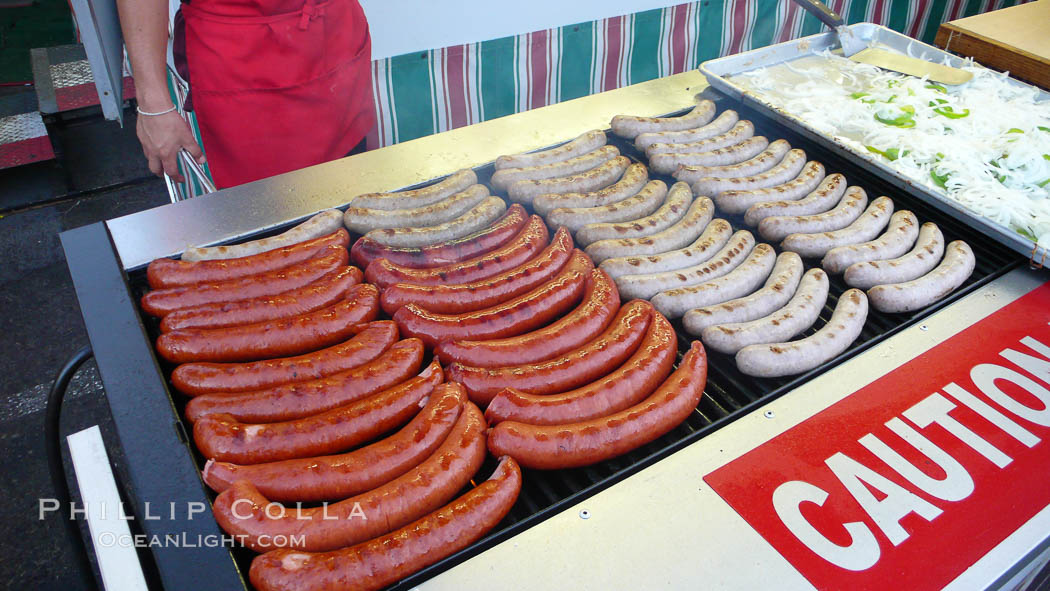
405 26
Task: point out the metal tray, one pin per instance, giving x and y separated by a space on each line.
719 70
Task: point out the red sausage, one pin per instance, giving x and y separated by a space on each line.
601 301
194 379
512 317
302 399
457 298
637 378
588 442
274 338
366 250
582 366
377 563
341 476
173 273
241 509
224 438
530 241
161 302
322 293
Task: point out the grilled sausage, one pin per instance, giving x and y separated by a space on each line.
667 163
630 126
744 279
919 261
504 178
714 237
708 129
866 227
601 301
781 285
776 228
370 566
738 133
641 204
897 240
482 215
725 260
769 158
782 359
797 188
588 442
634 178
682 232
787 169
439 191
362 220
321 224
823 198
588 142
599 177
957 266
672 210
341 476
194 379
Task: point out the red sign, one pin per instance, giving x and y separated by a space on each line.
907 482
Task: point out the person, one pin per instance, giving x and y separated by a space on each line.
277 85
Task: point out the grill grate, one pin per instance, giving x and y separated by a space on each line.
729 394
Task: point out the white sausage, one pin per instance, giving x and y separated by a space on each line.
783 359
480 217
636 176
806 181
919 261
823 198
864 228
630 127
588 142
363 220
788 169
321 224
714 237
725 260
670 162
599 177
744 279
640 205
740 132
681 233
451 185
852 204
720 125
958 264
501 179
769 158
673 209
898 238
778 289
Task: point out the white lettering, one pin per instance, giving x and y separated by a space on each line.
863 550
1035 366
935 408
357 511
193 508
994 417
236 514
956 484
46 505
984 377
270 514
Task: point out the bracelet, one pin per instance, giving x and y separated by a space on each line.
139 110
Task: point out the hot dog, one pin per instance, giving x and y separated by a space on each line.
797 188
584 365
482 215
781 285
526 312
725 260
301 399
224 438
324 292
456 298
624 387
897 240
667 163
599 177
588 142
161 302
171 273
714 237
452 184
362 220
504 178
769 158
321 224
634 178
866 227
194 379
739 132
787 169
588 442
929 248
776 228
688 227
672 210
499 233
719 125
630 126
641 204
744 279
957 266
823 198
341 476
601 301
370 566
273 338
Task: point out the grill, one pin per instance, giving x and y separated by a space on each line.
160 470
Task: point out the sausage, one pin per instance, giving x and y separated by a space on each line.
362 220
588 442
482 215
634 178
456 298
897 240
787 169
769 158
588 142
799 314
320 224
667 163
776 228
725 260
714 237
686 229
599 177
778 289
957 266
739 132
526 312
408 497
485 240
782 359
503 178
295 400
630 126
636 379
797 188
324 292
866 227
744 279
371 566
526 245
171 273
341 476
194 379
823 198
641 204
708 129
673 209
601 301
222 437
439 191
919 261
273 338
571 370
161 302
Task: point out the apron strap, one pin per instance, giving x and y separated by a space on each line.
311 10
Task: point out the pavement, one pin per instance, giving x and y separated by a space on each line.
101 174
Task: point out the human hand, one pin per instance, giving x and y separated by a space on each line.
162 136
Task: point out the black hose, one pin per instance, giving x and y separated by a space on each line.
53 444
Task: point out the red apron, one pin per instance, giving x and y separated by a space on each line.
277 85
